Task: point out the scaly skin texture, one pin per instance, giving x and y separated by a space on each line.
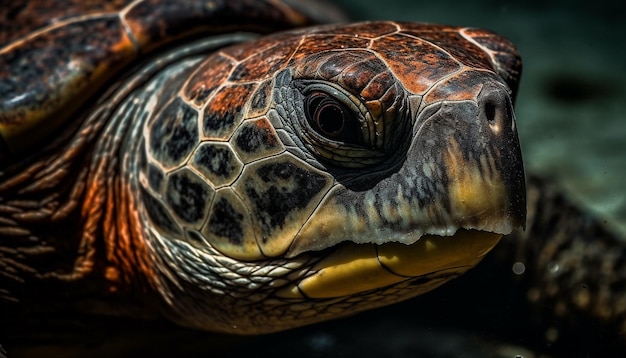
215 185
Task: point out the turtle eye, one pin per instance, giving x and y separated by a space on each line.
332 119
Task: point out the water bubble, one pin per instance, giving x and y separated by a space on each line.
518 268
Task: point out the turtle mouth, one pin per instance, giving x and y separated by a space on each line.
351 269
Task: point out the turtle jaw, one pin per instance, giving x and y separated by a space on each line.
354 269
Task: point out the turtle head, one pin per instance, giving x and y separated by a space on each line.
351 166
419 135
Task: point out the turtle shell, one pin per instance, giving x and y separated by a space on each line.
55 56
247 184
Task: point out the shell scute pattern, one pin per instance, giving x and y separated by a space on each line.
256 139
80 62
318 43
230 227
261 99
209 75
217 163
224 111
454 43
281 192
173 134
265 60
81 47
417 75
189 196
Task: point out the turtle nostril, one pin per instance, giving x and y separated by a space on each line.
490 112
495 109
495 116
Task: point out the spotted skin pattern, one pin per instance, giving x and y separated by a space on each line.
194 180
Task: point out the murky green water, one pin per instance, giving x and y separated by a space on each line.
571 108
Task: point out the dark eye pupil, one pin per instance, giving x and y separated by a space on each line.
330 118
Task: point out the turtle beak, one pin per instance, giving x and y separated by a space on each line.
483 168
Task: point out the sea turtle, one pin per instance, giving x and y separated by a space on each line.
160 158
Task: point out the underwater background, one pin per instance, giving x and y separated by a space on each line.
571 106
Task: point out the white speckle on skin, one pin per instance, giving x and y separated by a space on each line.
426 169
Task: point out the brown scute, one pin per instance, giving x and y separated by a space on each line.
417 64
463 86
210 75
256 139
506 59
264 63
457 46
224 111
314 44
